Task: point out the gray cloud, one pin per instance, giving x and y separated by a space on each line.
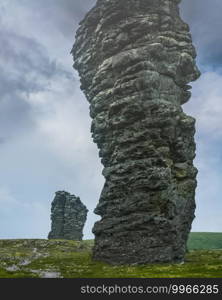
64 14
204 18
25 69
45 116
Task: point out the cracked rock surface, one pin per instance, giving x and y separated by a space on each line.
68 215
135 59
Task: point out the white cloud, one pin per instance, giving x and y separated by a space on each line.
209 206
20 218
6 198
206 105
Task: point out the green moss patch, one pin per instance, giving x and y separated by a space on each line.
72 259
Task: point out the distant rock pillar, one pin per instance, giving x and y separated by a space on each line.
68 216
135 59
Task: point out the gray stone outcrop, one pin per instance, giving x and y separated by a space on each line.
68 216
135 59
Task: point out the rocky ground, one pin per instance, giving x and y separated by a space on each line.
71 259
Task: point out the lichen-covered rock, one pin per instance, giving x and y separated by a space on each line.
135 59
68 215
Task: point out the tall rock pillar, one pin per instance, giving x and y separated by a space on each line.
135 59
68 216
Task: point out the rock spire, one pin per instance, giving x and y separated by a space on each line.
135 59
68 216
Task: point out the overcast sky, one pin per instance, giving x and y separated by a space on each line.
45 140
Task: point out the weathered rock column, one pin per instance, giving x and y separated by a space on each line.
135 59
68 215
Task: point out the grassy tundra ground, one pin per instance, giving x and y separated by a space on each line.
72 259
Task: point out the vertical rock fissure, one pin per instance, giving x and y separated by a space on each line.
135 59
